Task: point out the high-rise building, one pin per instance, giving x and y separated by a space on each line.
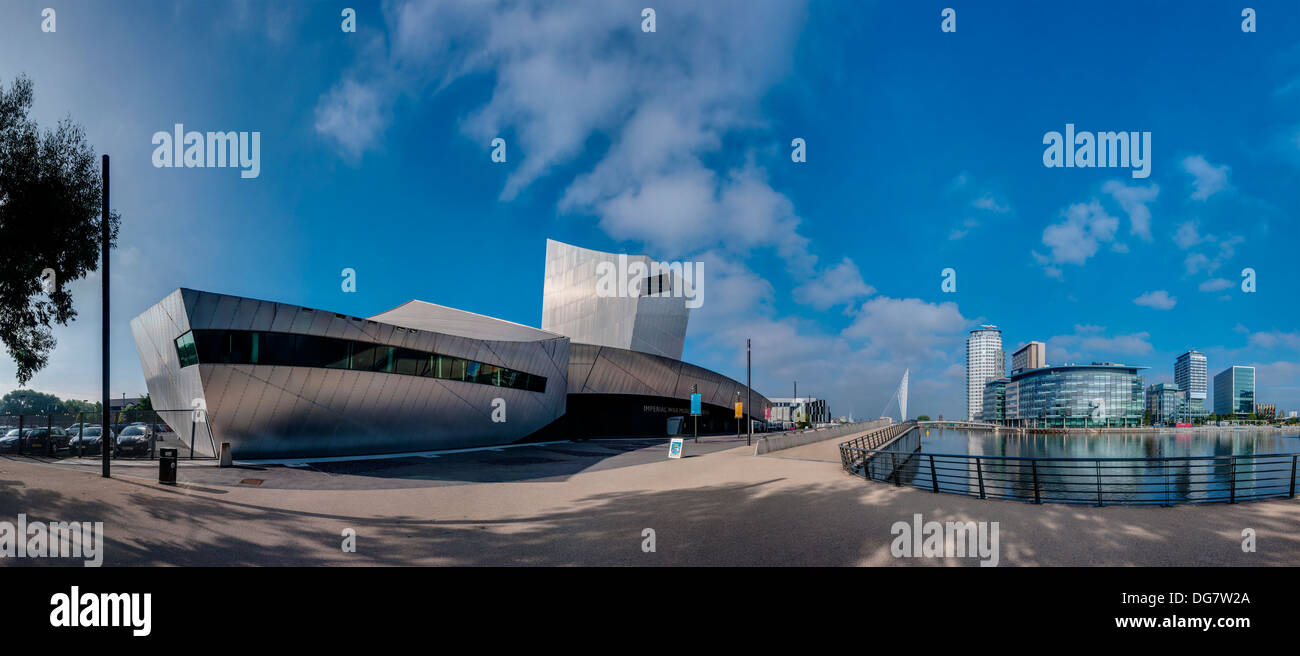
1190 374
985 361
1234 391
1030 356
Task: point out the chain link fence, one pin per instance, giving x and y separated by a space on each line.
136 434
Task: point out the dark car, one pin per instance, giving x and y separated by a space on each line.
133 440
87 441
11 441
46 440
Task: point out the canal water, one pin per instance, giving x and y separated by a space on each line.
1110 445
1155 468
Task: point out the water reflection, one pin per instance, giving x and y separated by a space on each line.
1168 479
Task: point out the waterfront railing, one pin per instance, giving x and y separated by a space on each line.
1095 481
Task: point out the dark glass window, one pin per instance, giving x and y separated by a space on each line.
451 368
239 345
275 348
409 362
487 375
326 352
510 378
363 356
248 347
372 357
185 350
209 346
536 383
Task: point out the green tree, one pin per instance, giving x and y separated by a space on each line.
50 196
29 402
923 417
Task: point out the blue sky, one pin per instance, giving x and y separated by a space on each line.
924 152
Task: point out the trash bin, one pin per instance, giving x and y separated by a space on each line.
167 466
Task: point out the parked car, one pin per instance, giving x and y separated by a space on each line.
88 442
11 441
46 440
133 440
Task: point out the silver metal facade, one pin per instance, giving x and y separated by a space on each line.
272 411
628 319
597 369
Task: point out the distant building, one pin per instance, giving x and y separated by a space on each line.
123 403
985 361
1190 374
1076 396
1234 392
1163 403
790 411
1266 411
995 393
1030 356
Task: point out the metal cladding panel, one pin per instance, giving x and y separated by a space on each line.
173 390
572 305
603 370
286 411
424 316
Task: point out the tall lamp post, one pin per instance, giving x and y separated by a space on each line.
104 431
749 395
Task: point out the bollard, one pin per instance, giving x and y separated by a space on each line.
226 460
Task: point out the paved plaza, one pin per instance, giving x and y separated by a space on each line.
589 503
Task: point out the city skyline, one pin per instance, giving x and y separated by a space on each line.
832 266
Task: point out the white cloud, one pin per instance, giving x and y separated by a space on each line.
988 202
1077 238
837 285
350 114
1215 284
1134 200
1091 344
1189 235
1206 178
1275 338
906 329
565 73
1159 299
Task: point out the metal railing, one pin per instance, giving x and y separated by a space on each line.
1161 481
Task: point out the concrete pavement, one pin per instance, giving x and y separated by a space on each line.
721 507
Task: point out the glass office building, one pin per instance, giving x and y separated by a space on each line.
1234 392
1164 403
995 401
1078 396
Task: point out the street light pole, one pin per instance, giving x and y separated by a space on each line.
749 394
103 286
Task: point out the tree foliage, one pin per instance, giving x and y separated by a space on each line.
50 196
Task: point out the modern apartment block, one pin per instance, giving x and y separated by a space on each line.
1234 392
1030 356
985 361
1190 374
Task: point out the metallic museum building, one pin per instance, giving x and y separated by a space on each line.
279 380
